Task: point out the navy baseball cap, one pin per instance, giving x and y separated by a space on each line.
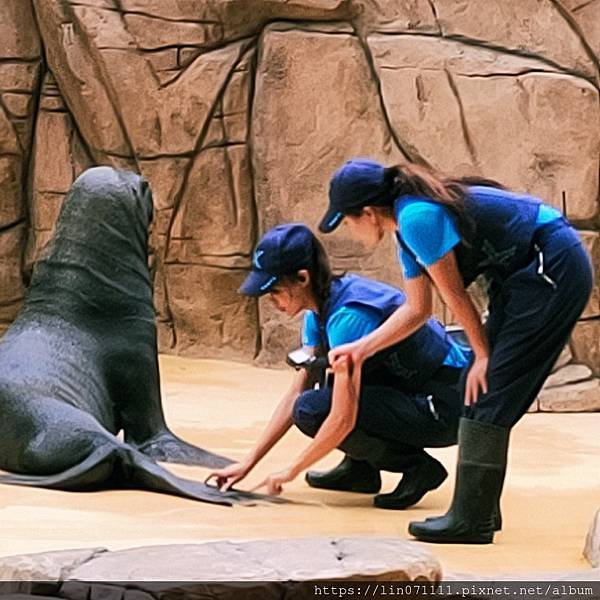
283 250
358 182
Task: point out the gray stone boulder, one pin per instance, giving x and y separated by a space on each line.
592 542
259 569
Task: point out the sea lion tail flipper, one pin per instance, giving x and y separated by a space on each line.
92 472
112 465
167 447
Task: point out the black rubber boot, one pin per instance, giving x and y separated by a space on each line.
479 479
426 475
422 472
497 518
350 475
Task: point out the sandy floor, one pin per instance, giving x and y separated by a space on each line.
551 494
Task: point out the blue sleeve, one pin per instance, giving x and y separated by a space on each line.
547 214
350 323
410 267
429 231
310 330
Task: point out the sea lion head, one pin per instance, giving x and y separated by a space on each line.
98 256
104 201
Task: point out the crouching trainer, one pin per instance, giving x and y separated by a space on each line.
383 414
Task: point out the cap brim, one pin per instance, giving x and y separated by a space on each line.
258 283
331 220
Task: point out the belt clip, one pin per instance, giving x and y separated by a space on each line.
540 269
432 408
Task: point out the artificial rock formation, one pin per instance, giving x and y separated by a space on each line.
238 111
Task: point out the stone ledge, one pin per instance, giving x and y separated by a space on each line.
573 373
301 559
583 396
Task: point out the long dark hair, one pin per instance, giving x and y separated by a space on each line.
321 275
422 180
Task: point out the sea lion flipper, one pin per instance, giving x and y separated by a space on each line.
167 447
89 473
124 465
152 475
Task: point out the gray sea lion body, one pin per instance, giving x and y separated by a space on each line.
79 364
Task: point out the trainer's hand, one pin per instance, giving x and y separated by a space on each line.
476 380
342 366
353 354
274 482
229 475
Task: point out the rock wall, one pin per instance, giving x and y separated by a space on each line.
238 111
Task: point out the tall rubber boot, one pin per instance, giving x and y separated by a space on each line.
351 475
422 473
479 479
497 516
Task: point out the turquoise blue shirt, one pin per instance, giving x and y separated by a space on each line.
351 323
429 230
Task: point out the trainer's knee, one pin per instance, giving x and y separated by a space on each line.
310 410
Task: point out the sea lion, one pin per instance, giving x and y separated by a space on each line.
79 364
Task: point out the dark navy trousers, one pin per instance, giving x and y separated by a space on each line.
404 418
530 321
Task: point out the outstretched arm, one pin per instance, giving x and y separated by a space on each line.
336 427
278 425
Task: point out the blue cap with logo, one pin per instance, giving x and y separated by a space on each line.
283 250
357 183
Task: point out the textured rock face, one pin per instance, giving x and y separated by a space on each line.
20 67
238 111
586 344
493 111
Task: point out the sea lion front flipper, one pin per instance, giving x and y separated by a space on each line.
167 447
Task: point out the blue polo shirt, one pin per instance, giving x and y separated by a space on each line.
351 323
416 215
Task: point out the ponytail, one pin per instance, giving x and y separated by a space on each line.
421 180
321 275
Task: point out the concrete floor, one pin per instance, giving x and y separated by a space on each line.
551 493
